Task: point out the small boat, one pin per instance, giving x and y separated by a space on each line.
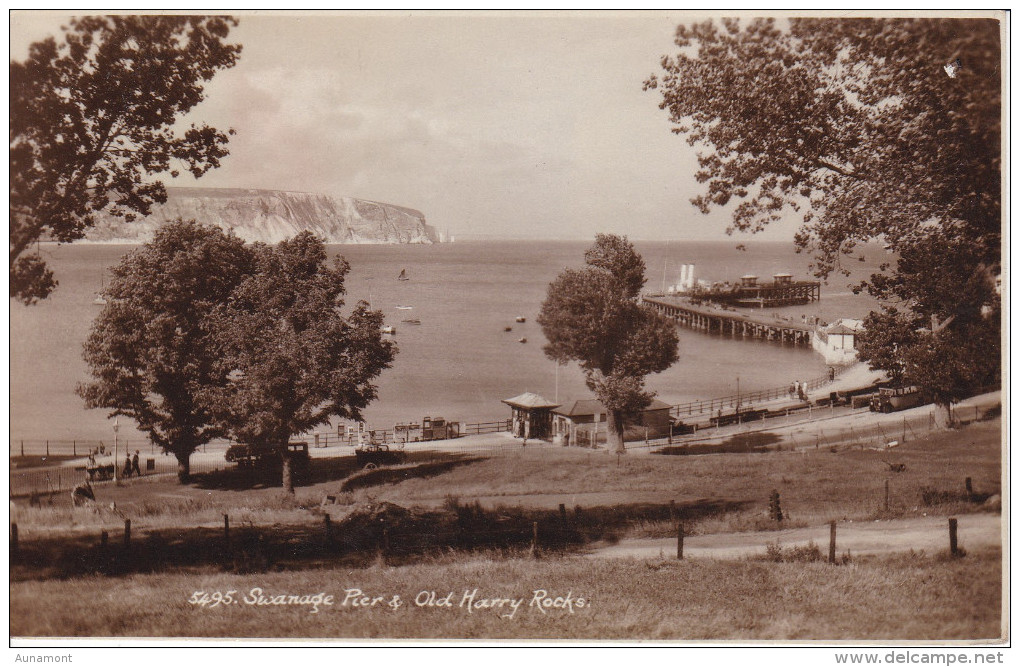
389 330
405 307
520 318
508 328
523 340
403 275
411 321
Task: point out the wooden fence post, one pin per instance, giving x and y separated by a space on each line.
680 540
127 533
226 530
563 516
534 539
327 527
104 539
953 548
832 542
967 484
887 495
672 510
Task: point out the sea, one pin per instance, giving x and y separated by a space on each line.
458 362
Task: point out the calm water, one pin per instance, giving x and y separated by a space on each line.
459 362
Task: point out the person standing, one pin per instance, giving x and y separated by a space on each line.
127 466
134 465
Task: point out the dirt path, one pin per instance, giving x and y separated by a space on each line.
929 534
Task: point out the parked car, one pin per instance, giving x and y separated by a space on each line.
373 455
246 456
891 399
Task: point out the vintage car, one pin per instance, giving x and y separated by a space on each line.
246 456
373 455
891 399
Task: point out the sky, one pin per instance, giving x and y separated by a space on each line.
492 125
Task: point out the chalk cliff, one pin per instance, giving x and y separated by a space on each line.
271 216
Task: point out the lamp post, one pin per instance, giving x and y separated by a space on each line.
116 428
557 397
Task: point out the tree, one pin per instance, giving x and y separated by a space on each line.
870 128
592 316
294 359
948 340
94 118
150 349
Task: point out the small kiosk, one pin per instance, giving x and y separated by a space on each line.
531 415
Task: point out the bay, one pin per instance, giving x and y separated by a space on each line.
459 362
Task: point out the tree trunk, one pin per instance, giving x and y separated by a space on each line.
288 471
943 416
614 432
183 467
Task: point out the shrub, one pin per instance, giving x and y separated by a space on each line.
808 553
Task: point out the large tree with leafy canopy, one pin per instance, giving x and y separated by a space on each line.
95 118
151 351
295 359
592 316
877 128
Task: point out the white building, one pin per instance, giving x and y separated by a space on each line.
838 341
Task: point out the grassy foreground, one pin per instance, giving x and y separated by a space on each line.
815 485
906 597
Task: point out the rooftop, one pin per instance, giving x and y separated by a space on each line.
530 401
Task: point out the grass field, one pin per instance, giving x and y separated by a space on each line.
814 486
912 596
908 597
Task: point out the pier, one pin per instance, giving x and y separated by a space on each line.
729 323
782 292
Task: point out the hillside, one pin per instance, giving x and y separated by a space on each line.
271 216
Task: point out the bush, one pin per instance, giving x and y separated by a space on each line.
808 553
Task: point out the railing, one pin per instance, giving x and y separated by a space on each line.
748 398
58 479
480 428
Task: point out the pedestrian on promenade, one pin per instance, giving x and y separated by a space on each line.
127 466
134 465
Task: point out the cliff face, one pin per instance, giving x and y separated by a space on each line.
271 216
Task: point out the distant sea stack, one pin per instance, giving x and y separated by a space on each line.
271 216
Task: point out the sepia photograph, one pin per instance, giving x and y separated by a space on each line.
509 328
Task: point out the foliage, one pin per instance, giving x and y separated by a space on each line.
858 125
94 117
854 121
775 509
592 316
293 358
948 339
803 553
150 349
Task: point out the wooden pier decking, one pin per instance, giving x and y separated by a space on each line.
729 322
